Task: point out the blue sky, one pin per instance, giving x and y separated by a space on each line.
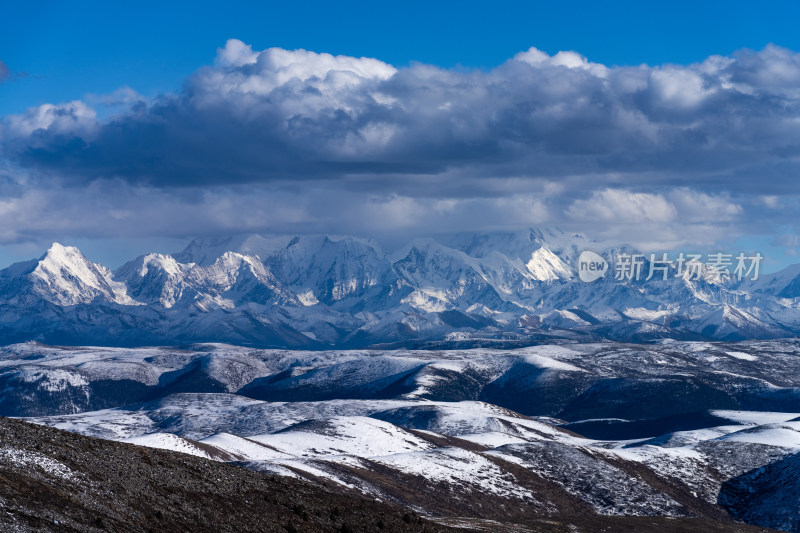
127 127
71 49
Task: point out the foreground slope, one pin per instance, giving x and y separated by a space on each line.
58 481
62 482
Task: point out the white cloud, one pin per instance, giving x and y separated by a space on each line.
235 53
771 201
71 117
568 59
616 205
696 206
245 72
773 70
679 87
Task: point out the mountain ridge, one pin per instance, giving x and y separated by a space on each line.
324 291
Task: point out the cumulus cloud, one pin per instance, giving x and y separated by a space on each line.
303 141
279 114
39 125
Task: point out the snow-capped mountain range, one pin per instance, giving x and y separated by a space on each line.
325 291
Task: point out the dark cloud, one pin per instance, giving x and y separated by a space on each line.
282 115
298 141
4 72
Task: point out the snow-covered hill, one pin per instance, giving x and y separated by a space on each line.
677 429
674 429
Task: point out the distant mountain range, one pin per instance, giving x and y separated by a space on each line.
316 292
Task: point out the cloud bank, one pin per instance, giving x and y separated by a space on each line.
298 141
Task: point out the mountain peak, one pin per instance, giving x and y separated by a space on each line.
59 252
60 261
544 265
66 277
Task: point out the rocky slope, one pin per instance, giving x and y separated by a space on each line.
63 482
